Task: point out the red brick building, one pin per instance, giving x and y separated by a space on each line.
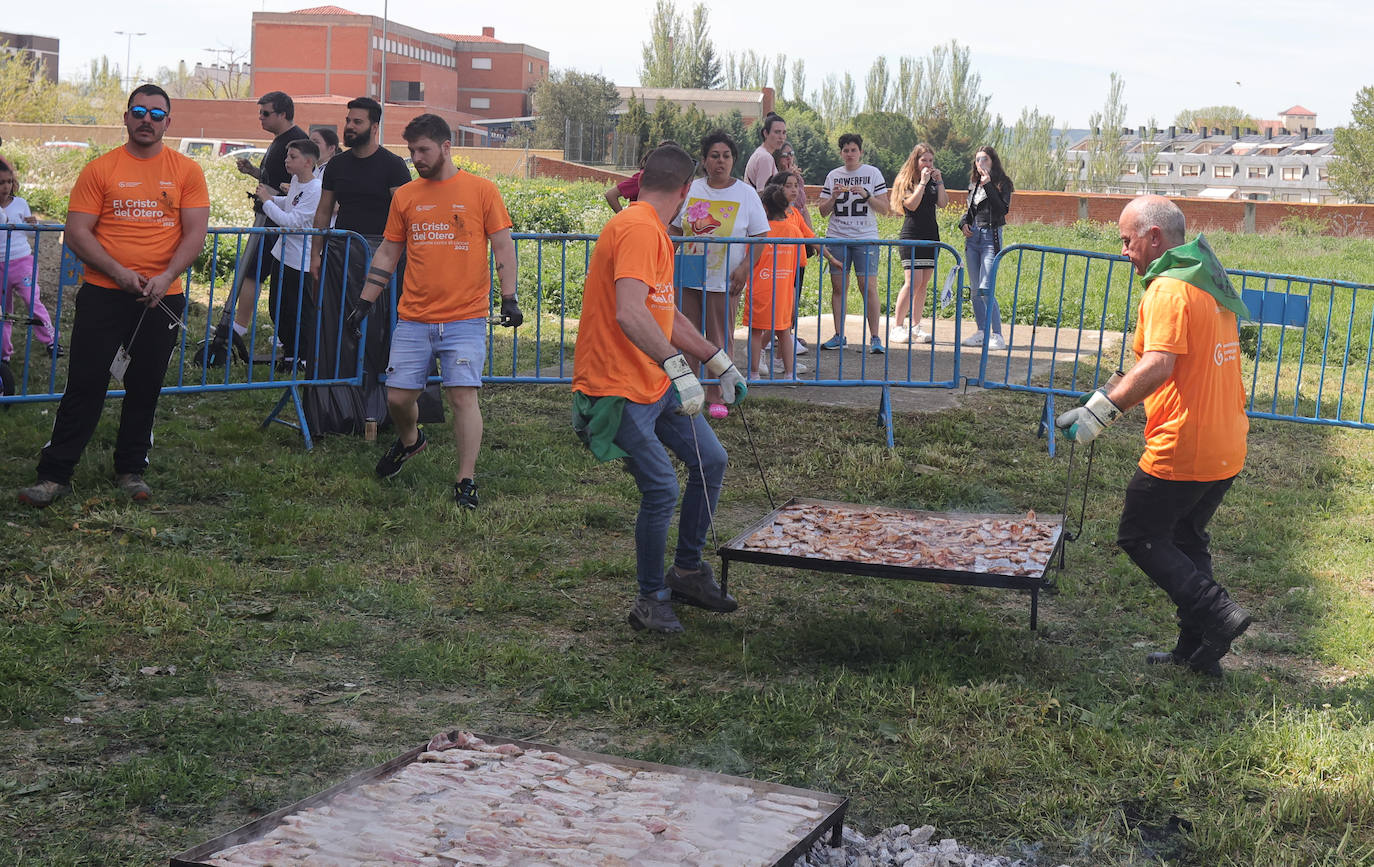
330 51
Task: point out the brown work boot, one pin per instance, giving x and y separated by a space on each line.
699 588
655 615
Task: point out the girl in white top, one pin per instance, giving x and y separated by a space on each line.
17 272
328 142
724 207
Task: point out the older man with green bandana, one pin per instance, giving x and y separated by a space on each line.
1188 375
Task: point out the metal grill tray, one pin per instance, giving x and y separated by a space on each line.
735 550
833 821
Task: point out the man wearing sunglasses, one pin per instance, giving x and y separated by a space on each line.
276 113
137 219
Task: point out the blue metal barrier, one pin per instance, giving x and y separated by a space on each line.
553 271
1070 313
208 286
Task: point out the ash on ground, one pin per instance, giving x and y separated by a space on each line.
900 846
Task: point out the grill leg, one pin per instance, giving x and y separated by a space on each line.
837 832
724 575
1035 605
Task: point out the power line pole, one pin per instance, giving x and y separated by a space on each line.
128 54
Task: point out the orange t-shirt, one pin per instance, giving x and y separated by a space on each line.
772 295
137 204
633 244
444 226
1195 424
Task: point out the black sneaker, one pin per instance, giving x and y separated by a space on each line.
465 494
699 588
655 615
398 454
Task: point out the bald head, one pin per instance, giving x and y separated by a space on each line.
1149 225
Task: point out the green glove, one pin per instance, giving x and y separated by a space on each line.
731 383
1083 424
689 391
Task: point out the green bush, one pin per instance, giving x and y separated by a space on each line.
47 203
1304 227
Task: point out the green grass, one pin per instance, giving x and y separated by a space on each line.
321 622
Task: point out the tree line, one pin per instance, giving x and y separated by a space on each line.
98 94
937 98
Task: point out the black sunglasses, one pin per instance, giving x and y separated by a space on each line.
696 164
140 112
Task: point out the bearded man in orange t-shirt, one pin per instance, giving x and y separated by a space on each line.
444 221
1188 375
137 219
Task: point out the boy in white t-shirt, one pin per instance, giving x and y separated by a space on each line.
292 309
852 196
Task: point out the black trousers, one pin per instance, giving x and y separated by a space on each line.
105 320
1164 531
293 311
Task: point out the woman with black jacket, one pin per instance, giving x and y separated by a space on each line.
989 199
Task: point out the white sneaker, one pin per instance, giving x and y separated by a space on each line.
899 334
800 348
923 337
776 365
996 343
800 368
974 339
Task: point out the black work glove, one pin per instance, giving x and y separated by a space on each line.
353 322
511 317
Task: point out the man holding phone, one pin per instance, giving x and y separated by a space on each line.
852 197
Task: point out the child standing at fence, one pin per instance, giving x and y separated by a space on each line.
293 312
772 293
17 267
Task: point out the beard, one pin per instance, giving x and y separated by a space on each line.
354 139
428 171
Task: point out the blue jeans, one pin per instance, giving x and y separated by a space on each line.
461 347
645 431
980 249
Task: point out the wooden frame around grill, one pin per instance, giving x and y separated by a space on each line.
735 550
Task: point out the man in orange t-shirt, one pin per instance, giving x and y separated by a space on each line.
137 219
443 222
1189 377
636 397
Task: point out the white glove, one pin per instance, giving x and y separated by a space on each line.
1083 424
689 390
731 383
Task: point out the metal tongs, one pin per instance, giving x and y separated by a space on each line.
1087 479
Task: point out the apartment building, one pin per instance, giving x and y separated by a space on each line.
1287 162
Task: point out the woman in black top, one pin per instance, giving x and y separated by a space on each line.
989 198
920 189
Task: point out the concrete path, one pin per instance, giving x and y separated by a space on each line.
1027 359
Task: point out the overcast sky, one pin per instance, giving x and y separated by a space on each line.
1263 56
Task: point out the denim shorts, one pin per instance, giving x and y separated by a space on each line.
862 258
461 348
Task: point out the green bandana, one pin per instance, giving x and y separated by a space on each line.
1197 265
